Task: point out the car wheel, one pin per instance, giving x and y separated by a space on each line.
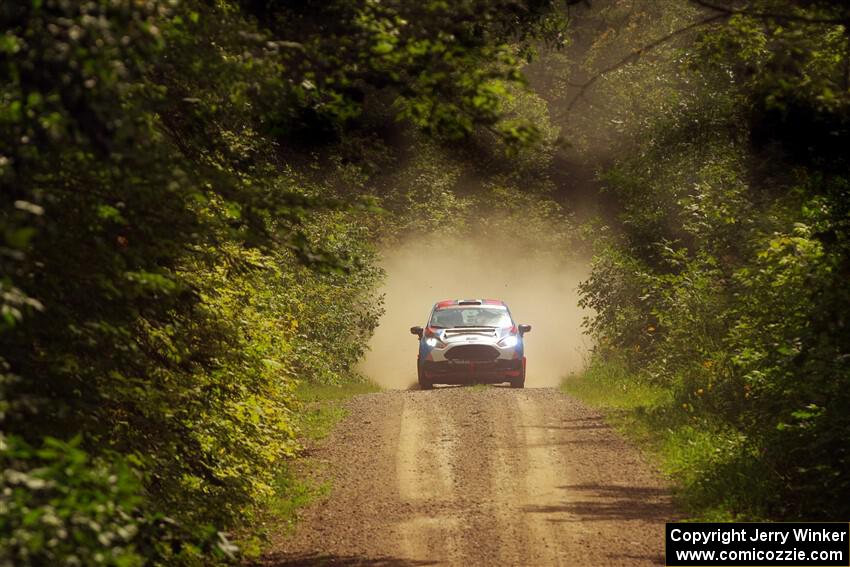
519 382
424 383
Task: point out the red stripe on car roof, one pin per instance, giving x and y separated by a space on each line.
453 302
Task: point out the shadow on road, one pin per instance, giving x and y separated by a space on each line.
570 427
330 560
609 502
573 424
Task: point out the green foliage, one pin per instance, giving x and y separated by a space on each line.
723 280
608 383
444 66
56 505
188 218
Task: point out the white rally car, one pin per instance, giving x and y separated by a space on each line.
471 341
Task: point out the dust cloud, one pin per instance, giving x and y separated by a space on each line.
538 290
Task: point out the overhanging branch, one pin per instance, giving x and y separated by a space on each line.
638 53
771 15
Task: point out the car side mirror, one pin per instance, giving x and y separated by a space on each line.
524 329
416 331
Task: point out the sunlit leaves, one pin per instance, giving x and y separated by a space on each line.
185 233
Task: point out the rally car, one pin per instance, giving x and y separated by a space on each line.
470 341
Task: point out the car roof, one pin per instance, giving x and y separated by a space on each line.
447 303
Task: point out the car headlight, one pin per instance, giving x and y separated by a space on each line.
434 342
509 342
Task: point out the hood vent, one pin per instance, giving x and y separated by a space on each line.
480 331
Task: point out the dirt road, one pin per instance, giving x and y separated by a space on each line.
472 476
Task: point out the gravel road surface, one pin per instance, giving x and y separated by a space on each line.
479 477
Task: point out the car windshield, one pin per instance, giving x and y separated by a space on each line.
471 317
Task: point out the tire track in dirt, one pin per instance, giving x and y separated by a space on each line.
548 470
425 478
479 476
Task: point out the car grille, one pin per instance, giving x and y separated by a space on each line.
478 353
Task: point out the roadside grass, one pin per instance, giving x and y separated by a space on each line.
297 484
714 477
323 406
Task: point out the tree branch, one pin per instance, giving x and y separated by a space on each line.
638 53
770 15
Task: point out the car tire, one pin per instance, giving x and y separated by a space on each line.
519 382
424 383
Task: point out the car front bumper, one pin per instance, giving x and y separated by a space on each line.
470 372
